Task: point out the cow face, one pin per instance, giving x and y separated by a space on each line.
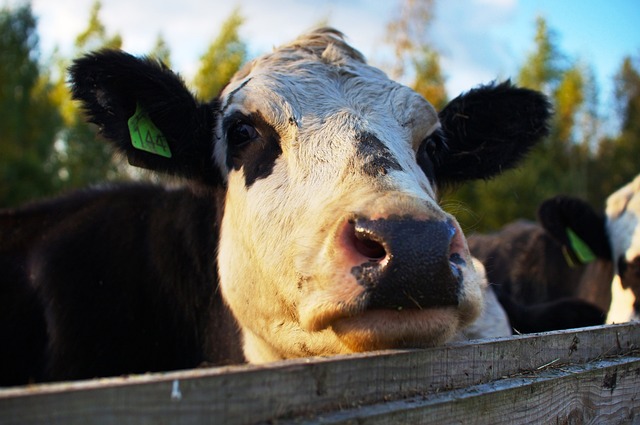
325 205
331 237
623 225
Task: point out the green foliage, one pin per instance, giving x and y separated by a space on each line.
618 158
95 37
408 33
428 80
161 51
542 67
559 164
29 120
224 57
82 159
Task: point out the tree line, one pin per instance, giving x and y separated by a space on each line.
47 148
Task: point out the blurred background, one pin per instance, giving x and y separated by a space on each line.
584 54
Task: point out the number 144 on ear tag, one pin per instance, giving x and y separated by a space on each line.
146 136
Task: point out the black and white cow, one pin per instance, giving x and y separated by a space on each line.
310 225
623 226
562 268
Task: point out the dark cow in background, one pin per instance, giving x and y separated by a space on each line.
309 224
558 274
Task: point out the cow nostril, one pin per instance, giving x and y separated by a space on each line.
368 247
455 262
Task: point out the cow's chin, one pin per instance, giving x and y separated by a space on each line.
366 330
387 329
344 313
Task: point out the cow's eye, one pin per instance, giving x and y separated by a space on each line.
430 152
431 148
241 133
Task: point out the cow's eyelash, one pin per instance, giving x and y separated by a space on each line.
436 145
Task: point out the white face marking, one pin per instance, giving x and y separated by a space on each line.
283 267
623 226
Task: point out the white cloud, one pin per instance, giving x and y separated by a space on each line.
471 53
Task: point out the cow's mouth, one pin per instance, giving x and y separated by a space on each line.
396 282
386 329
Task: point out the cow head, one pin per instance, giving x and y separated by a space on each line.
623 225
326 173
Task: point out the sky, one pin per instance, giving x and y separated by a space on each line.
479 40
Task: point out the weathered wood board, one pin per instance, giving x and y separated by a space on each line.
588 375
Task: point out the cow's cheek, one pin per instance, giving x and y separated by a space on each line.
241 259
471 297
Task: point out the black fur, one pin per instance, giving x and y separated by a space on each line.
489 130
564 313
562 212
528 269
376 158
111 83
253 144
109 282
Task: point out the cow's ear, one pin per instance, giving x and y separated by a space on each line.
577 227
488 130
146 111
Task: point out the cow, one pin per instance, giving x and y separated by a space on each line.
563 266
306 222
623 226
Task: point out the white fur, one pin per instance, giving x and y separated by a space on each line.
623 226
281 267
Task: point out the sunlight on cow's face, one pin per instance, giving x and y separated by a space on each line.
323 192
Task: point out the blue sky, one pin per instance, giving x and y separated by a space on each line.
479 40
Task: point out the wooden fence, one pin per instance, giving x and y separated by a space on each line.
570 377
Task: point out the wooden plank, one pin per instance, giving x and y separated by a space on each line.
249 394
601 392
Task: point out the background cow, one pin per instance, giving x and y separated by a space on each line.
623 226
563 267
311 211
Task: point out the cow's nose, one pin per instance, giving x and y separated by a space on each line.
411 263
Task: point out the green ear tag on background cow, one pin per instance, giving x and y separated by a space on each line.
146 136
580 248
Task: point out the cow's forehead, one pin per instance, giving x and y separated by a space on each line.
297 83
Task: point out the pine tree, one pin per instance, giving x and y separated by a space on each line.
226 54
558 165
618 157
81 159
28 119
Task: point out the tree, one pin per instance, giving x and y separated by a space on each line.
28 118
415 59
161 51
542 68
408 33
95 37
618 157
428 80
82 160
559 164
226 54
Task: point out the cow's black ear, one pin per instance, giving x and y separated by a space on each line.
577 226
146 111
490 129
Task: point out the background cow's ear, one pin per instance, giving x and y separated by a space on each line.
147 112
566 218
488 130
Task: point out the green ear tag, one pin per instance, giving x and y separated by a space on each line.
580 248
146 136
